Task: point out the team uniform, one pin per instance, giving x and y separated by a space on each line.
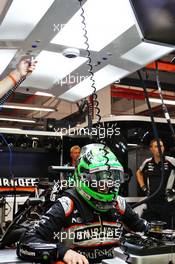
159 208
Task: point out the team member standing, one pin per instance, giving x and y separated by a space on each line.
74 154
162 206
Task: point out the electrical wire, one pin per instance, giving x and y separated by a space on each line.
94 102
158 144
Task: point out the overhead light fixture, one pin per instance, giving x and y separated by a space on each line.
132 145
52 67
27 107
44 94
146 52
103 77
10 129
17 120
99 24
6 56
22 17
159 101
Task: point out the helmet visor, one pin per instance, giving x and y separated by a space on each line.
103 181
113 175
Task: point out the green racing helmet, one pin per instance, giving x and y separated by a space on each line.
97 176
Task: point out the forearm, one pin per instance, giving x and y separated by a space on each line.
140 179
24 68
132 220
8 82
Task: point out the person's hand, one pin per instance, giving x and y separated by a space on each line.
26 66
170 195
145 190
72 257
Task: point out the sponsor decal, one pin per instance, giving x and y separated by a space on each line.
26 252
97 253
18 182
67 205
97 232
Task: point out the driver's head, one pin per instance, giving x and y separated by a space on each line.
98 186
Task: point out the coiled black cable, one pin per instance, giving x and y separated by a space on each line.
9 93
95 103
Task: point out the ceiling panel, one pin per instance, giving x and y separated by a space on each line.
52 67
22 17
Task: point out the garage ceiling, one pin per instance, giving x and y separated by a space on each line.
45 28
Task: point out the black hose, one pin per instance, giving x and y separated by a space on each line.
158 144
164 107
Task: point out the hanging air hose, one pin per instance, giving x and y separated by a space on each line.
164 107
168 119
158 144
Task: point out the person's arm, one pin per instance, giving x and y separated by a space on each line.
36 240
140 178
129 218
24 68
133 221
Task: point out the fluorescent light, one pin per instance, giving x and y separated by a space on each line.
6 56
10 129
103 77
44 94
23 107
146 52
132 145
106 20
159 101
51 68
22 17
17 120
